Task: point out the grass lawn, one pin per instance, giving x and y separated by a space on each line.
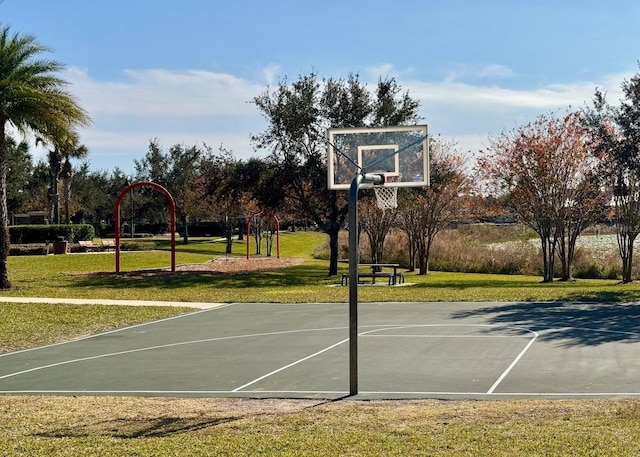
90 426
69 276
65 426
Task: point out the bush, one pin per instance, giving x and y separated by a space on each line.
28 249
24 234
137 245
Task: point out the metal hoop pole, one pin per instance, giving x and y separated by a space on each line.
354 259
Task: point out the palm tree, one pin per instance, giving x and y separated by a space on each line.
66 173
33 99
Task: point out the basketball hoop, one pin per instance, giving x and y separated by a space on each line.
387 197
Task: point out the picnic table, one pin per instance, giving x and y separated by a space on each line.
375 271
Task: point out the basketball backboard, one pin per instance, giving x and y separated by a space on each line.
401 152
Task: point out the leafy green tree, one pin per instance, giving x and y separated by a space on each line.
614 136
94 196
228 196
178 170
19 169
32 99
297 115
66 173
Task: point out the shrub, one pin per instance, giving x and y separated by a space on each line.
28 249
137 245
21 234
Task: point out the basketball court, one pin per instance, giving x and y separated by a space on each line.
363 350
405 350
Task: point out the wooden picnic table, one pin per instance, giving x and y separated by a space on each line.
376 271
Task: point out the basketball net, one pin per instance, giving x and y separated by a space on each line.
387 197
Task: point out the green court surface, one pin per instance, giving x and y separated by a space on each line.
405 350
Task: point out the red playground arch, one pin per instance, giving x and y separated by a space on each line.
172 228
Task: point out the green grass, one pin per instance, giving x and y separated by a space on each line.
73 276
104 426
39 426
25 325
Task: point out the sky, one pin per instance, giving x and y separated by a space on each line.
185 72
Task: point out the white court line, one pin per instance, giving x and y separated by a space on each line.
258 393
122 329
502 376
445 336
290 365
513 364
369 334
162 346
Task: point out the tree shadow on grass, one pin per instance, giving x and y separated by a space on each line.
568 323
130 428
299 275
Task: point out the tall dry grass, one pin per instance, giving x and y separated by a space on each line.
498 249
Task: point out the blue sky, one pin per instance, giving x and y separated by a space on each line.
185 71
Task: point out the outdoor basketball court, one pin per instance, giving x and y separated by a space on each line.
405 350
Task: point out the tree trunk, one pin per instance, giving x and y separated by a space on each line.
333 231
548 257
185 230
4 213
241 225
66 185
627 260
422 253
412 251
269 240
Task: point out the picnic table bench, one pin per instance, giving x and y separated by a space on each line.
376 271
109 244
88 245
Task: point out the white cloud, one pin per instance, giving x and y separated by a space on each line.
271 74
177 107
164 92
495 71
196 106
462 110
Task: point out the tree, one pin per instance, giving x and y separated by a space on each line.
377 224
178 170
298 114
19 169
66 173
548 177
32 99
228 200
614 136
425 212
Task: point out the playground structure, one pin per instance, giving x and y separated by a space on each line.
172 225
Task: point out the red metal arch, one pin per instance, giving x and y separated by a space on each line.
172 228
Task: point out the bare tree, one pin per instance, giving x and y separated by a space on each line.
376 223
424 213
